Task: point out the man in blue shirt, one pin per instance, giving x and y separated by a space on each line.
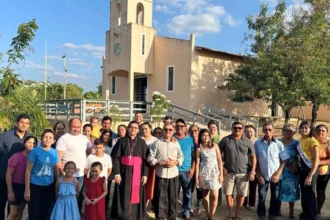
270 166
187 170
10 142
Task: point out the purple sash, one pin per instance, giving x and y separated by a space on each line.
136 163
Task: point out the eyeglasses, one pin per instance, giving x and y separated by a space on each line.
180 126
238 128
133 128
168 129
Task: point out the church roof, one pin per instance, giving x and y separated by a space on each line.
218 51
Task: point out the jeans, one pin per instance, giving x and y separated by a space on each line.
308 196
186 185
80 197
275 203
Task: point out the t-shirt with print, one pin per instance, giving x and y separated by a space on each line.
42 173
74 149
105 160
18 164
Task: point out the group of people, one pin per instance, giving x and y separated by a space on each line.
66 174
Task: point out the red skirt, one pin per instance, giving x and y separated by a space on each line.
150 185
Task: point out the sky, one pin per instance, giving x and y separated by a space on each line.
77 28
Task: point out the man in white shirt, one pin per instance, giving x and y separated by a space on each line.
74 146
166 155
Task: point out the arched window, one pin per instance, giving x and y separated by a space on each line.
139 13
119 13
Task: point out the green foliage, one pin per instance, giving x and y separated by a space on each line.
159 105
94 95
16 97
288 60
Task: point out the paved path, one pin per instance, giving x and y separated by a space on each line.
251 215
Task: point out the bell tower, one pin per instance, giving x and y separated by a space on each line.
131 11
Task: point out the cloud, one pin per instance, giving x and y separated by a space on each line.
70 75
270 3
216 10
88 47
197 16
163 8
35 66
297 5
194 24
230 21
98 55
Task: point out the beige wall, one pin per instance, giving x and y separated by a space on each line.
209 70
121 88
171 52
323 114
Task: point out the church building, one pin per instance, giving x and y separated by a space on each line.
137 62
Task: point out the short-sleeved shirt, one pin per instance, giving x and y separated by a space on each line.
74 149
236 153
10 143
18 164
268 156
105 160
188 149
96 132
307 145
42 173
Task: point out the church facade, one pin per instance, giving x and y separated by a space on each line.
137 62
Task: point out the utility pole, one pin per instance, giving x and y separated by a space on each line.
46 74
64 73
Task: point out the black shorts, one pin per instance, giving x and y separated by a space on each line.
19 194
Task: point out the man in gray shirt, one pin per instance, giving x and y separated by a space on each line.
236 150
166 155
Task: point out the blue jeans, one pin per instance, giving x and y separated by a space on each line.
275 203
186 185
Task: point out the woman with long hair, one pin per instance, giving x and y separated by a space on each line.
121 132
209 172
308 149
321 134
59 130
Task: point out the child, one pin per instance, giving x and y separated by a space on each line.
94 121
104 159
95 189
87 131
67 188
15 178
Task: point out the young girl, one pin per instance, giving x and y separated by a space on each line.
67 187
95 189
15 179
41 169
209 172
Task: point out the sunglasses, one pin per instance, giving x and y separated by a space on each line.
268 129
168 129
238 128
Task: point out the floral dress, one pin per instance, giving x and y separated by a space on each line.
289 191
209 170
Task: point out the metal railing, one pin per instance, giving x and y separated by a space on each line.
191 117
122 110
228 118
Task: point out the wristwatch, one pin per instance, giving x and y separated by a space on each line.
254 173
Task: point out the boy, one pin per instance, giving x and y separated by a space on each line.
105 160
99 156
94 121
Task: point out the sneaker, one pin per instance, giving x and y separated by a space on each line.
271 217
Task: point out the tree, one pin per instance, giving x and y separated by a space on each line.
73 91
270 72
18 98
94 95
